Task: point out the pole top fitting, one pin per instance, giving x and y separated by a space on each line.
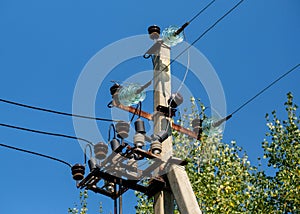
154 32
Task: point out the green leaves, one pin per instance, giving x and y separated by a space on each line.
83 195
282 150
223 179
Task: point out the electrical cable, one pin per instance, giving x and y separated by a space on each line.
192 19
254 97
264 89
205 32
46 133
56 112
91 153
201 11
196 40
37 154
138 106
109 130
186 72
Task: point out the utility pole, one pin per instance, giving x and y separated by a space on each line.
180 187
164 200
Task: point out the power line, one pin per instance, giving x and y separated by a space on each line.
264 89
194 17
56 112
37 154
45 133
196 40
201 11
205 32
255 96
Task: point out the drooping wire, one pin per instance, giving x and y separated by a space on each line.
264 89
46 133
91 154
37 154
138 106
111 126
196 40
56 112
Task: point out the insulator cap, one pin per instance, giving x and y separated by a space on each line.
175 100
78 172
156 147
161 136
100 150
114 88
115 145
197 125
154 32
122 129
139 126
139 140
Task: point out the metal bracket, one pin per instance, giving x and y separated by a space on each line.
167 111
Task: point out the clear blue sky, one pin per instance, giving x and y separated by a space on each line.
44 45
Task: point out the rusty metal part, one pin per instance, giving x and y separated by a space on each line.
149 116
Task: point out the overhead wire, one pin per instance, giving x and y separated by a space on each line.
186 72
46 133
197 39
193 18
255 96
264 89
36 153
56 112
205 32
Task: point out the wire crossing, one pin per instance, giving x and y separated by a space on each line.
45 133
36 153
56 112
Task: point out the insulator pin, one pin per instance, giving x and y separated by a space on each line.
156 147
115 145
139 126
175 100
139 140
122 129
100 150
197 126
78 172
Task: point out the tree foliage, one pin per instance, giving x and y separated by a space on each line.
223 179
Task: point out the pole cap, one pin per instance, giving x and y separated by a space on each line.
154 32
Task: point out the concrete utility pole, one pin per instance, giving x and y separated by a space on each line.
164 200
179 182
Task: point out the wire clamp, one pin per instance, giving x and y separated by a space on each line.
167 111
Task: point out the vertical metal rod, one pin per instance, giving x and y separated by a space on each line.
120 205
120 199
115 200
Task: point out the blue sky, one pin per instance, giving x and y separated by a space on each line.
44 46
